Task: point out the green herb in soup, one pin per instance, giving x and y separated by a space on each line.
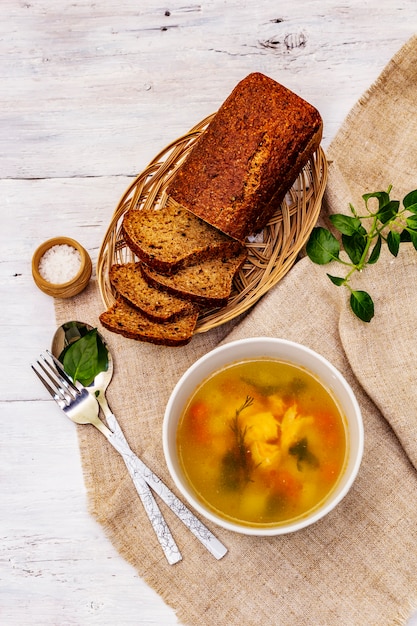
262 442
237 464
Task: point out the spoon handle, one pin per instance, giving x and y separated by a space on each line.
139 469
156 518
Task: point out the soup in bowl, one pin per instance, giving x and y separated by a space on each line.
263 436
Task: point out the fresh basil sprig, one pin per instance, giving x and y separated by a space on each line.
390 223
85 358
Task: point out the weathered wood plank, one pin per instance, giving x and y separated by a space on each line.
98 89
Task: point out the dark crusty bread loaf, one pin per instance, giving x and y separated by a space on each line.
128 321
155 304
242 165
170 238
208 283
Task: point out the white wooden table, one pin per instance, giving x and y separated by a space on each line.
89 93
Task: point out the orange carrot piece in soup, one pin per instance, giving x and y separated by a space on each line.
199 423
284 483
328 427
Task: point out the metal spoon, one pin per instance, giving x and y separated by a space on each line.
142 475
67 334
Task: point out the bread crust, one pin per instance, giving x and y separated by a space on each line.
123 319
208 284
156 305
242 165
171 238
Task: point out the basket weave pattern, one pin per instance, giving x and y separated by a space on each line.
271 253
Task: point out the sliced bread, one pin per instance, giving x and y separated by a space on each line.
209 283
126 320
155 304
171 238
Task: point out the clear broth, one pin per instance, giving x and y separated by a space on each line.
262 442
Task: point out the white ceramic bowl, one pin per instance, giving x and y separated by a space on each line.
284 350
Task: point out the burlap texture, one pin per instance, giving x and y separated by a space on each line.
356 567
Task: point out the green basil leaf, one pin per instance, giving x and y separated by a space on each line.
362 305
412 221
374 256
345 224
354 246
405 236
322 247
393 241
336 280
410 201
85 358
412 208
382 197
388 211
412 234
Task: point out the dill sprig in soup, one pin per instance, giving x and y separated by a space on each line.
262 442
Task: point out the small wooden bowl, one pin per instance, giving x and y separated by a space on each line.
71 287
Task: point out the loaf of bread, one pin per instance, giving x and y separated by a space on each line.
126 320
242 165
170 238
208 284
157 305
229 186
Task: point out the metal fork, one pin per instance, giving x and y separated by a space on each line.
81 407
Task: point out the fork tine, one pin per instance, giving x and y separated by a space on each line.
55 390
67 386
64 390
62 372
42 379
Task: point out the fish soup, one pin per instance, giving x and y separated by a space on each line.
262 442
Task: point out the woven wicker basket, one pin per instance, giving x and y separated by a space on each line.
270 254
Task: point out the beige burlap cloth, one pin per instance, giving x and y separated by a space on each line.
358 566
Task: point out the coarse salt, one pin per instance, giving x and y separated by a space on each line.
60 264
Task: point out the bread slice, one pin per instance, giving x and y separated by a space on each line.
208 283
171 238
242 165
155 304
126 320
